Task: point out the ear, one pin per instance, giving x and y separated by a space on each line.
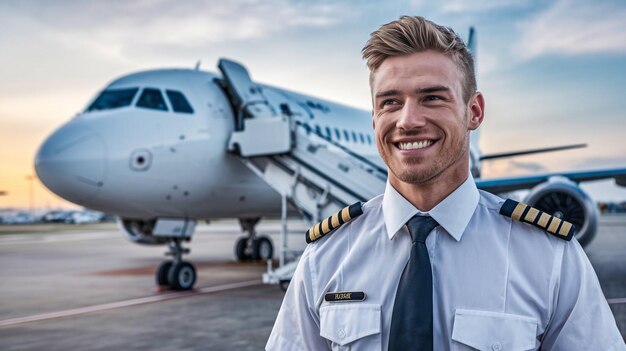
476 110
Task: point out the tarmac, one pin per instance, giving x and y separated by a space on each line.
85 287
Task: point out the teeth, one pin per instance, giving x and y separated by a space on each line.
415 145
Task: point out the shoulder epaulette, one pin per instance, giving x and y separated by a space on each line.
333 222
524 213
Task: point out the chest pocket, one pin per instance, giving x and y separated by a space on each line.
494 331
351 326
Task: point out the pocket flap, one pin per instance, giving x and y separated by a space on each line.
346 322
494 331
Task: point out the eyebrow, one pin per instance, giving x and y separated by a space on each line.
427 90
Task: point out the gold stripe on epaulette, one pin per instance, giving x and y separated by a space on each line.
531 215
565 228
325 227
554 225
345 214
335 220
543 220
518 211
316 231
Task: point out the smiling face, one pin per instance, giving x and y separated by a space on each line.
421 121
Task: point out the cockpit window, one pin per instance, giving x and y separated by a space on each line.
153 99
113 98
179 102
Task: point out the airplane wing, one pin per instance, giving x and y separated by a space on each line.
501 185
528 152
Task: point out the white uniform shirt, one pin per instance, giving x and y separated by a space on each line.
498 284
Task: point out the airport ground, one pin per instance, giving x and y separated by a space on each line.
68 287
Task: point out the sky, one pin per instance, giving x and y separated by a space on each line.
552 72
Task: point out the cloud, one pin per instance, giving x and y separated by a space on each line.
602 162
464 6
528 166
114 27
574 27
510 168
486 63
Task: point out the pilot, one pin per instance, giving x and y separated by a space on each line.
434 263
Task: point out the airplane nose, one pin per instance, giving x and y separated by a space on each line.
71 163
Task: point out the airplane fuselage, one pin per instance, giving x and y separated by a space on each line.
140 162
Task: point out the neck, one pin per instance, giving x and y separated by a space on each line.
425 196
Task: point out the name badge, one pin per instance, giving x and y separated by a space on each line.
342 296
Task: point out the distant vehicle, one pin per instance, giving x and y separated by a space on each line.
85 217
55 217
21 217
73 217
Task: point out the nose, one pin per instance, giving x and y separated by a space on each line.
411 116
72 163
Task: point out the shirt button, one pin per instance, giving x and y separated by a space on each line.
497 346
341 333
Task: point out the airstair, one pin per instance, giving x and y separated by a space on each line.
311 172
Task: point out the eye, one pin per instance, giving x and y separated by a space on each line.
433 98
389 102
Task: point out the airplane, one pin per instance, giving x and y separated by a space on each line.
155 148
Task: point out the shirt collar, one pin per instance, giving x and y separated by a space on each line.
453 213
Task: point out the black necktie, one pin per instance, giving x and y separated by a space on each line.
412 319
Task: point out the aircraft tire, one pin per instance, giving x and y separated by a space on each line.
162 274
182 276
262 249
240 250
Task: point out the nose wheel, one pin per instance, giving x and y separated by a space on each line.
176 274
258 249
253 247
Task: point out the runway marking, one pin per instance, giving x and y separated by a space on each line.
127 303
616 301
28 239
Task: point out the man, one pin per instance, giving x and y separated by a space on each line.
433 263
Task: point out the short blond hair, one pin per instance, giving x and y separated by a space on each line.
412 34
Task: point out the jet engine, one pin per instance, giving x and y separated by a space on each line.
563 198
140 231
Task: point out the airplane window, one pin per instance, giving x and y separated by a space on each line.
318 130
369 139
328 133
354 137
151 98
337 134
113 98
362 138
178 101
346 135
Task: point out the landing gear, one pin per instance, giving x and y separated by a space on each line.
241 250
163 272
176 274
182 276
262 249
253 247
